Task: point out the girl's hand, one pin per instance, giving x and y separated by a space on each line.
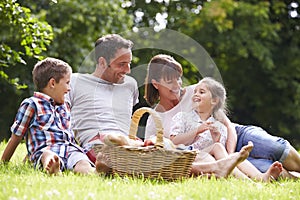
215 133
203 127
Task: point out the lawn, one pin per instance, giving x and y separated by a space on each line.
21 181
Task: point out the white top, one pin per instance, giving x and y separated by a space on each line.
184 122
185 105
100 106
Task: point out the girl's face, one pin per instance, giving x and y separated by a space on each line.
202 99
169 89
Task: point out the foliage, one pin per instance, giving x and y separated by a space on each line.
78 24
73 26
255 45
22 34
20 181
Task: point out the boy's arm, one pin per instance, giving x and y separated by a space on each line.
12 144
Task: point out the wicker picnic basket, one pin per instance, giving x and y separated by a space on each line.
151 161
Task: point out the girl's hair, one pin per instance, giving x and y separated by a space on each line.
218 92
160 67
108 45
49 68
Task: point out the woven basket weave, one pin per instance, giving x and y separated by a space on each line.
152 161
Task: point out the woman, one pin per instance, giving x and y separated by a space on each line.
163 90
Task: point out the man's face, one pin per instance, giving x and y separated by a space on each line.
118 67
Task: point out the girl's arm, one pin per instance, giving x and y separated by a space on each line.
188 138
12 144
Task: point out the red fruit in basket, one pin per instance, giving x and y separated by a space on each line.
148 143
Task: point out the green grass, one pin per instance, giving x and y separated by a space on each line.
21 181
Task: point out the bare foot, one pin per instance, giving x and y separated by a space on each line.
226 165
53 166
50 162
207 165
102 164
273 172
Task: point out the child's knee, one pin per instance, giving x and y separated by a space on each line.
218 145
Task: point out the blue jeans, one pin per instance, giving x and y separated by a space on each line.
267 148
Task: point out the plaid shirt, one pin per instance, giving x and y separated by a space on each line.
44 125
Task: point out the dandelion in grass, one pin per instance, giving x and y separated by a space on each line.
179 197
16 190
90 196
153 195
70 193
109 183
52 193
56 193
136 196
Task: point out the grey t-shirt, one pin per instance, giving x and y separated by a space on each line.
100 106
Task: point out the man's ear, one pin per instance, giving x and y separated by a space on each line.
154 83
102 62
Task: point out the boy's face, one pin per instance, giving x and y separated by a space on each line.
61 88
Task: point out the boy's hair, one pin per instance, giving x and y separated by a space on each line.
49 68
217 91
160 66
108 45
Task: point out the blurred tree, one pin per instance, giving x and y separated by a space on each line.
255 45
78 24
26 29
23 36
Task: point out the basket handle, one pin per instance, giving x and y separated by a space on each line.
157 120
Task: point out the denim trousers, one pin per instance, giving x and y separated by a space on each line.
267 148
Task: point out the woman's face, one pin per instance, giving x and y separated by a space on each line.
169 89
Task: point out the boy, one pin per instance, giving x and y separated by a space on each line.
44 120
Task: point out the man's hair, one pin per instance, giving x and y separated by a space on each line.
160 67
108 45
49 68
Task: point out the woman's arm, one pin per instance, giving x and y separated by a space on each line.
231 133
231 138
12 144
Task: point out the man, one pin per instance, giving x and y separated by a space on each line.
102 102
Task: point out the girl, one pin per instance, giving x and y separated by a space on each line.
200 128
